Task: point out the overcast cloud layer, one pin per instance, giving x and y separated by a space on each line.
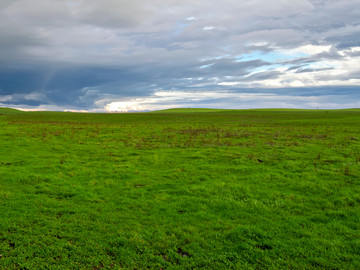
117 55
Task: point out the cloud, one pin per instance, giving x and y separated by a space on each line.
84 55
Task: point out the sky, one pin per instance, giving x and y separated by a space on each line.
140 55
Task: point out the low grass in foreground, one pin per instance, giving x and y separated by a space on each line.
229 189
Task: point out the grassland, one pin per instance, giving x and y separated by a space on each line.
180 189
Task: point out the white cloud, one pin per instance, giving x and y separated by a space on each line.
310 49
127 106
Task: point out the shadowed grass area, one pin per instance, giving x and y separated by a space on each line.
226 189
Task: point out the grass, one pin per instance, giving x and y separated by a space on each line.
8 111
186 189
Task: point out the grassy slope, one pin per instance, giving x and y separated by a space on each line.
229 189
4 111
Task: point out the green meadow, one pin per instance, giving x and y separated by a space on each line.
180 189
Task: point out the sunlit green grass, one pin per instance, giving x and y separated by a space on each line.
183 189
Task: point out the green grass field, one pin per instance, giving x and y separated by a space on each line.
180 189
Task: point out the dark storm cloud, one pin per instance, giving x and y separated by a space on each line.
346 40
70 84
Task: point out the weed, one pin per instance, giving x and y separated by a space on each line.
346 170
62 159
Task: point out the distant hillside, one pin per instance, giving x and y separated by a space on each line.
206 110
188 110
9 111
